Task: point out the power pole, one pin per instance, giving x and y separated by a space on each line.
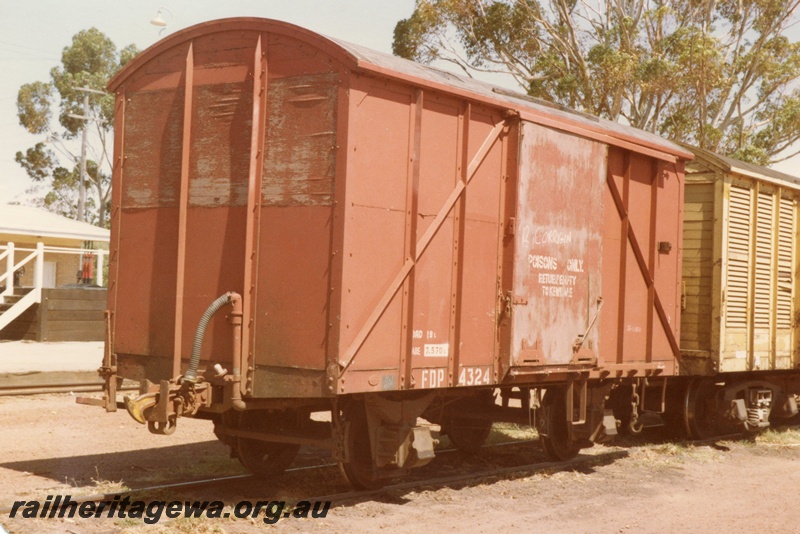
84 142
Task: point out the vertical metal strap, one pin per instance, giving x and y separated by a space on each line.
254 179
651 259
109 355
116 206
623 253
410 246
183 208
459 231
505 226
109 367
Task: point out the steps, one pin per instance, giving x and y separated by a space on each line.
14 305
9 300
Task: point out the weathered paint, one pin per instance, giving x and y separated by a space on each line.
558 286
375 221
301 148
741 276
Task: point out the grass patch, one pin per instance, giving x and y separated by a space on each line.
500 433
108 486
505 432
206 467
785 437
671 454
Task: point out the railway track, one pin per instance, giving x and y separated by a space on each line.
582 460
228 478
39 388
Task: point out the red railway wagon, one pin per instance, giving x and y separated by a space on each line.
388 241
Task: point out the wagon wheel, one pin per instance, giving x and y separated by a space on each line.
553 429
360 468
702 415
264 458
467 434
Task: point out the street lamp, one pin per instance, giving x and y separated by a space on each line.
158 20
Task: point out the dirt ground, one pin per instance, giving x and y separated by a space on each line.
52 446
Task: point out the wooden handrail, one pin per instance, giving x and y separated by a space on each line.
7 253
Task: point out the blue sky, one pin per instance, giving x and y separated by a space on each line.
33 34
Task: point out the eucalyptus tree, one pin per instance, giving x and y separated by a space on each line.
88 63
719 74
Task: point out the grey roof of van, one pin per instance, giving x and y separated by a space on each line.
744 168
487 90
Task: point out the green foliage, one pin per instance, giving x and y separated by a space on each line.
90 61
37 162
33 106
720 74
61 196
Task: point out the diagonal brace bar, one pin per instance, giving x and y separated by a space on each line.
645 271
422 245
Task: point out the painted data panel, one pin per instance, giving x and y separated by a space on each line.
557 266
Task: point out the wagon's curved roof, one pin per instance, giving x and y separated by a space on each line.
360 58
389 64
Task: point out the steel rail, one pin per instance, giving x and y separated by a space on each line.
528 468
40 389
443 481
437 481
202 482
